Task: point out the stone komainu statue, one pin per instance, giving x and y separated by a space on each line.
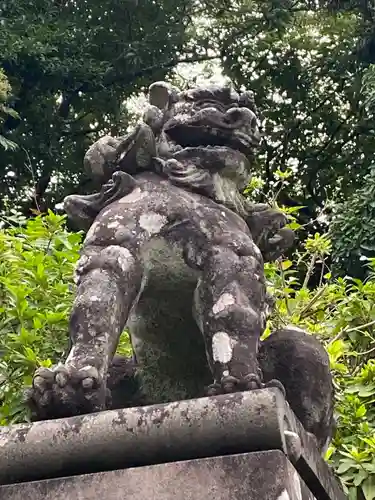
175 254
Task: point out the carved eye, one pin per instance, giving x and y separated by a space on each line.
233 115
209 103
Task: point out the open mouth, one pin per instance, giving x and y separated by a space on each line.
187 135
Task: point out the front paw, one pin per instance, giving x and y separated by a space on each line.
63 392
278 244
267 226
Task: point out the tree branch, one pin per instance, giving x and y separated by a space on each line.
115 78
77 133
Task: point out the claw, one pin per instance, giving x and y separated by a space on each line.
88 383
61 375
61 379
229 383
252 381
213 390
45 373
89 372
39 383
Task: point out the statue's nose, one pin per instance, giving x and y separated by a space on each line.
240 117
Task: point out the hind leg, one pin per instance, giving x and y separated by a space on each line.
301 364
109 281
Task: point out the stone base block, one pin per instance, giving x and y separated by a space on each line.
266 475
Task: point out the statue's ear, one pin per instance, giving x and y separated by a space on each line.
162 94
159 95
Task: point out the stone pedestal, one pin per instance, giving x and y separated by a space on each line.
266 475
239 446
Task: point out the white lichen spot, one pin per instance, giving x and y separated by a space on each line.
122 255
82 262
222 347
124 259
94 298
136 195
152 222
113 225
225 373
87 367
92 232
205 227
223 302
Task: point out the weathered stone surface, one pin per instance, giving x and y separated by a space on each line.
206 427
286 355
253 476
232 423
175 253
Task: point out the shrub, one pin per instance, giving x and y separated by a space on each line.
36 294
36 270
5 111
341 313
36 291
352 230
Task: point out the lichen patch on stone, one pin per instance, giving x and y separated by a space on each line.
113 225
222 348
152 222
90 236
223 302
135 195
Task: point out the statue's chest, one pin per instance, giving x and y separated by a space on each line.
165 268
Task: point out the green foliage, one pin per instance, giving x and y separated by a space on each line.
77 63
353 230
36 270
73 69
302 61
341 312
37 261
368 86
5 111
36 291
70 71
309 65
